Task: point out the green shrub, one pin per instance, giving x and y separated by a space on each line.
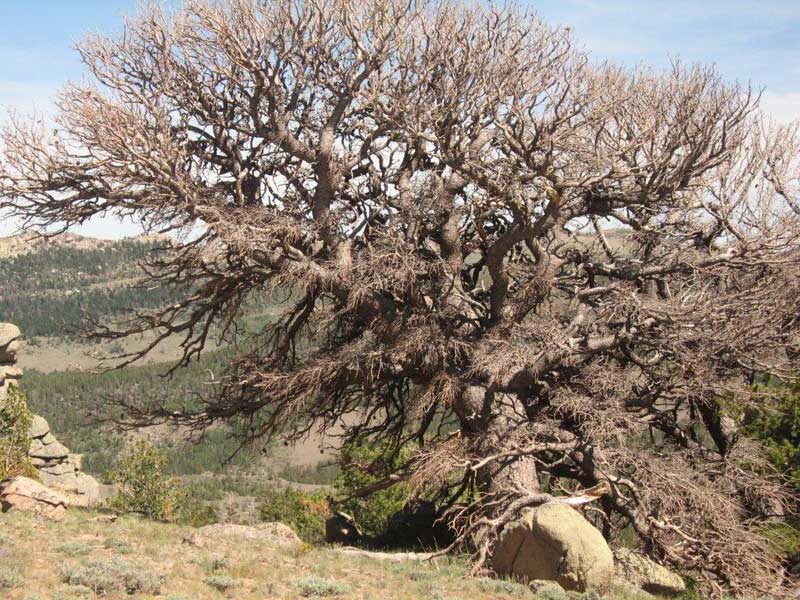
144 486
118 545
362 465
73 592
492 585
212 563
114 575
221 583
305 513
785 538
10 578
777 425
74 548
15 439
197 514
314 586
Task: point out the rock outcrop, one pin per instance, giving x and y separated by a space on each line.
9 345
22 493
58 467
276 534
554 542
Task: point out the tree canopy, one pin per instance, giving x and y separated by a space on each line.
545 272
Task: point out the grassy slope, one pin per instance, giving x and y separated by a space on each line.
36 552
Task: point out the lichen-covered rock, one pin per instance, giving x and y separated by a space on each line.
554 542
8 333
648 574
276 534
51 450
39 427
57 467
22 493
80 489
10 372
8 353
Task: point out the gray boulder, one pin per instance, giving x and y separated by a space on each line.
554 542
10 372
8 334
80 489
50 450
275 534
39 427
8 353
648 574
59 468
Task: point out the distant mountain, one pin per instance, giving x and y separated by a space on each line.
50 286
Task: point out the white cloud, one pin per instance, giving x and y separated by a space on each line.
783 107
25 97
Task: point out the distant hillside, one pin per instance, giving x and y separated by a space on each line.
50 287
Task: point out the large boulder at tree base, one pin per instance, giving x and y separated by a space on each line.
554 542
22 493
647 574
341 528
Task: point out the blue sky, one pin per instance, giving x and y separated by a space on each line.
756 41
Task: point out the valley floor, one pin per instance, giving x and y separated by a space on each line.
84 555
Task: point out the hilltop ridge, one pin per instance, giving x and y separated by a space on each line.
25 243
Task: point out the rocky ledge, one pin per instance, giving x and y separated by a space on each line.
58 468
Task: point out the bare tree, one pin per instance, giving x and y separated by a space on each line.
534 267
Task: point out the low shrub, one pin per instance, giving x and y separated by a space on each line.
74 592
118 545
15 439
212 563
314 586
303 512
221 583
10 578
777 425
492 585
144 485
114 575
74 548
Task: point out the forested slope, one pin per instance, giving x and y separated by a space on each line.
52 287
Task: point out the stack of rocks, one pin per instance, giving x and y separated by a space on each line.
58 468
9 344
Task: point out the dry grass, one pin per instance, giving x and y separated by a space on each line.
41 558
